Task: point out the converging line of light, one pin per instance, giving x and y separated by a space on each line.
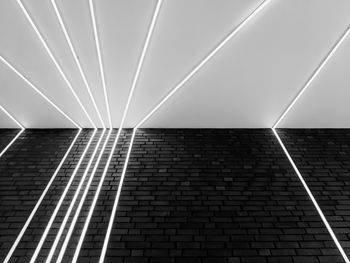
18 134
283 115
54 60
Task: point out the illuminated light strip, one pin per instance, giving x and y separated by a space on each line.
48 227
72 202
38 91
18 134
100 63
313 76
77 212
205 60
20 235
72 49
43 42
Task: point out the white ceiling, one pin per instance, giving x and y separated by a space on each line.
247 84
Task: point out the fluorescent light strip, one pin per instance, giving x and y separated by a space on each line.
100 63
313 76
72 49
72 202
205 60
43 42
18 134
38 91
312 198
53 216
82 200
20 235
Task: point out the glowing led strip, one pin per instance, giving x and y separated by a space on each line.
43 42
38 91
20 235
82 200
72 49
100 63
313 76
48 227
72 202
18 134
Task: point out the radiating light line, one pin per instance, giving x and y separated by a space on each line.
82 200
72 202
100 63
312 198
205 60
18 134
54 60
53 216
20 235
283 115
7 63
75 56
313 76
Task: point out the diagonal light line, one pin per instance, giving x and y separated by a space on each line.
100 63
18 134
283 115
312 198
205 60
53 216
73 201
75 56
20 235
313 76
77 212
38 91
54 60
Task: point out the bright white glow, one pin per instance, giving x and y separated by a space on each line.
43 42
72 49
312 198
38 91
53 216
24 228
98 49
72 202
313 76
205 60
82 200
18 134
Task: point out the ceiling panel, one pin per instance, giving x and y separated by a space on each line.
252 80
6 122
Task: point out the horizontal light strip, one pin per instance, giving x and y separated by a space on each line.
38 91
72 202
24 228
205 60
313 76
53 216
312 198
72 49
82 200
48 50
100 63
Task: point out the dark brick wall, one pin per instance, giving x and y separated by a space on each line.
188 195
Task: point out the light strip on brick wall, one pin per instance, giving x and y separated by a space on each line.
18 134
48 227
100 63
38 91
74 54
38 203
205 60
313 76
76 194
54 60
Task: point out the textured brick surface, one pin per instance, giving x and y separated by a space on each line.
188 195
